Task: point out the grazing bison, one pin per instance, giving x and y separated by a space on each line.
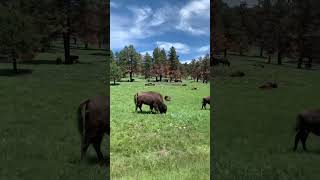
153 99
268 85
205 101
74 58
307 121
167 98
93 123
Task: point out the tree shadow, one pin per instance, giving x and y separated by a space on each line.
116 84
99 54
38 62
10 72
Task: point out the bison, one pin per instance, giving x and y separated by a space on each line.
93 122
167 98
153 99
268 85
205 101
307 121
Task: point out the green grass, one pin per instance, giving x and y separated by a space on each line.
254 128
38 132
167 146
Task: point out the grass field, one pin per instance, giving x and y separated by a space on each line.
38 131
254 128
148 146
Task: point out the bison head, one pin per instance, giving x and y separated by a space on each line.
162 108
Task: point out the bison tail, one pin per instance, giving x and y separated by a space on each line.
81 117
299 123
136 98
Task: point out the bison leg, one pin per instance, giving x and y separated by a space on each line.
204 106
84 146
297 139
97 145
304 139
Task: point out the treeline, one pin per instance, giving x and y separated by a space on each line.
280 28
28 27
161 65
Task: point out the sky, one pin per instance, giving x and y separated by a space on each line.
146 24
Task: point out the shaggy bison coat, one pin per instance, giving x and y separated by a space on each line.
153 99
307 121
205 101
93 123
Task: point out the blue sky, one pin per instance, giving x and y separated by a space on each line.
184 24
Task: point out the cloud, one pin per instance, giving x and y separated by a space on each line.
186 61
204 49
180 47
195 17
114 5
145 52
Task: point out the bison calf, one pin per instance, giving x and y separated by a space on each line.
205 101
167 98
153 99
269 85
93 123
307 121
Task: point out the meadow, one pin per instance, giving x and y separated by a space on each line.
174 145
254 129
38 130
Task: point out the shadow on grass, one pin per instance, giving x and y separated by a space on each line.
99 54
116 84
143 112
10 72
90 160
37 62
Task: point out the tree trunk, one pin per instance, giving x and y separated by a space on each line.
100 44
14 61
310 62
299 62
160 77
279 57
114 81
156 78
261 51
225 52
269 59
86 45
131 76
66 44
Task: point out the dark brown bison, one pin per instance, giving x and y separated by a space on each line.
93 123
268 85
307 121
205 101
153 99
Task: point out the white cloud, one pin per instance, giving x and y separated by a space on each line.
186 61
195 17
204 49
145 52
113 4
180 47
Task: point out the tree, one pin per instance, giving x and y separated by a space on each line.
129 60
115 72
174 62
147 65
18 35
